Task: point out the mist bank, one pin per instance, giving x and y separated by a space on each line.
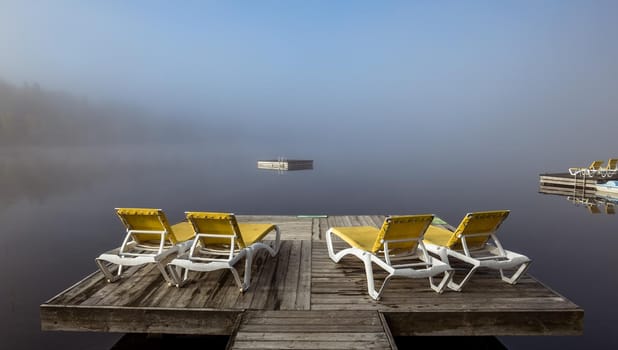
34 116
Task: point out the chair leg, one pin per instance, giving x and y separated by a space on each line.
329 245
247 275
448 277
109 276
162 268
515 277
174 274
275 250
375 295
241 286
458 286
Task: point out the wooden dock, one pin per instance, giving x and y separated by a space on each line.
285 164
595 202
568 181
301 299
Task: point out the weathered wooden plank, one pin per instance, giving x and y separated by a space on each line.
301 336
81 290
129 285
289 287
186 295
310 330
276 289
303 296
360 302
524 322
263 288
323 227
326 345
315 229
207 285
316 320
387 331
158 293
137 320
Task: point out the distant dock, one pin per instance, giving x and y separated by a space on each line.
301 299
565 183
285 164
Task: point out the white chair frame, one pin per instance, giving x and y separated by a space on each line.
496 257
426 267
125 255
176 272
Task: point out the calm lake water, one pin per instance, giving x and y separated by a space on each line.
56 210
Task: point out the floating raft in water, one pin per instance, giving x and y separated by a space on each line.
285 164
301 298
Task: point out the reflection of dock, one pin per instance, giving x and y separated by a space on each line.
301 298
285 164
579 191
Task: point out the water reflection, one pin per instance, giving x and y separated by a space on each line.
593 201
38 173
595 204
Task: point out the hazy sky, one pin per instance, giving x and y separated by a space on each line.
374 69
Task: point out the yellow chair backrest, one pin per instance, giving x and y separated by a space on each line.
479 224
612 163
596 165
402 227
215 224
146 219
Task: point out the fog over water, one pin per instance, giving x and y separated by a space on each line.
405 107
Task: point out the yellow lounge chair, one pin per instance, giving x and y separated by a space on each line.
611 168
470 242
149 239
592 170
219 244
399 239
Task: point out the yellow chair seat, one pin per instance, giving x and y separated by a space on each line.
361 237
252 233
183 231
438 235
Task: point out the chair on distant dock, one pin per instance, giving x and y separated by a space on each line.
593 208
149 239
400 239
220 243
592 170
471 243
611 168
